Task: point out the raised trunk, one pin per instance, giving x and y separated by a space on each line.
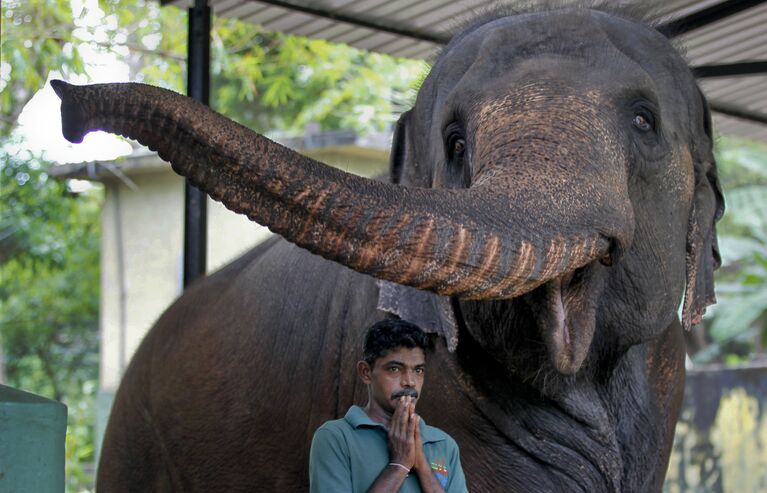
433 239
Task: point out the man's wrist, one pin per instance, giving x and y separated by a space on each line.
400 467
421 463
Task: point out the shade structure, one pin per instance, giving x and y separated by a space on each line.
715 33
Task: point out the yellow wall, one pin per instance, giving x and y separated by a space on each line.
140 262
720 444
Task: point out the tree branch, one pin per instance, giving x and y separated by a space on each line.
132 47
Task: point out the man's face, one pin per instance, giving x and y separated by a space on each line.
398 372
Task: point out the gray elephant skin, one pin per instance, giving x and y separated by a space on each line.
552 199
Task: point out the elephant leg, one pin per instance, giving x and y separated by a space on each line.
665 371
132 458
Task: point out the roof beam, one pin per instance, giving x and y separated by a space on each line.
672 28
360 22
706 16
738 112
730 69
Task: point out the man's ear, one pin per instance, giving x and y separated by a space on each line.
364 370
707 208
399 146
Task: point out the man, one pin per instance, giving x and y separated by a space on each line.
385 446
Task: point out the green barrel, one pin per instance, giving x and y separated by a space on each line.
32 433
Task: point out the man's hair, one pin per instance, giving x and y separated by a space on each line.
385 335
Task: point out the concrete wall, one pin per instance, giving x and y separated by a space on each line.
142 255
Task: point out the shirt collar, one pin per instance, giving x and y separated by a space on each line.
357 417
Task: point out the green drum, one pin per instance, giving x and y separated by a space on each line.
32 433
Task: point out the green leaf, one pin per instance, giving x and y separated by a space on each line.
749 209
735 248
737 314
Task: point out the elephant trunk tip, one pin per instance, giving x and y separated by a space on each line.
72 114
60 87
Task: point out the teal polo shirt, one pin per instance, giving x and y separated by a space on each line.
348 454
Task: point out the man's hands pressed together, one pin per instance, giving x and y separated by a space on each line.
405 452
402 431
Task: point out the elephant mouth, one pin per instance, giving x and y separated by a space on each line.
565 313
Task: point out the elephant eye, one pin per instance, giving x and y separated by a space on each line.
457 166
459 145
455 143
642 123
642 118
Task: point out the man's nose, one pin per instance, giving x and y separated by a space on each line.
408 379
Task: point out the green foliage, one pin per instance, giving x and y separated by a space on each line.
81 420
49 297
36 37
149 38
738 322
267 81
49 267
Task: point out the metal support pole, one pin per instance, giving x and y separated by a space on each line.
198 87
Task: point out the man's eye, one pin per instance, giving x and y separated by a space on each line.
393 368
419 370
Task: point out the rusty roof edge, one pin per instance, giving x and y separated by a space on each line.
377 25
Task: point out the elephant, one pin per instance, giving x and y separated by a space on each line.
550 209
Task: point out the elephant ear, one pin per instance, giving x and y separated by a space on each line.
433 313
702 247
399 143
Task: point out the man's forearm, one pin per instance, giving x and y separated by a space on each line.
429 482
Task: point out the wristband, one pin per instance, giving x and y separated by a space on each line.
407 470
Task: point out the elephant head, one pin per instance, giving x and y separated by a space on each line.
593 124
552 160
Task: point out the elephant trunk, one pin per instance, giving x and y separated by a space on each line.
441 240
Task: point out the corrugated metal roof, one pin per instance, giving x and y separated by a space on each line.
416 29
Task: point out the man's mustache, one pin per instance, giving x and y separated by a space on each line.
405 392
